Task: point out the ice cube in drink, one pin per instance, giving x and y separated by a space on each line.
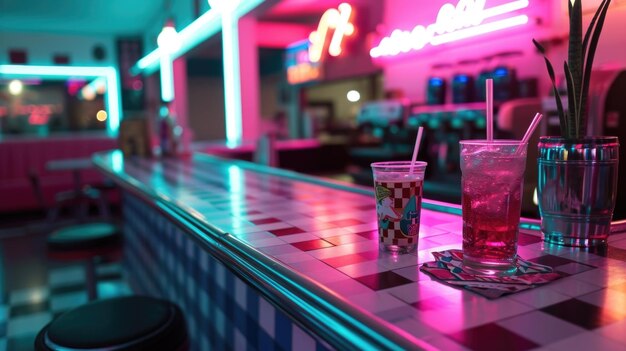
491 204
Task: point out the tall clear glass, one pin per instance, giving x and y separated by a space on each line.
492 180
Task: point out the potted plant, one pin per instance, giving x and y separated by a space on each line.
577 181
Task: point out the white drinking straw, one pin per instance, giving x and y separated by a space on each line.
489 95
416 148
531 129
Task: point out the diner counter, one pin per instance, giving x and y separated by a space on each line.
232 230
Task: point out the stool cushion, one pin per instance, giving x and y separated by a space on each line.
84 236
126 323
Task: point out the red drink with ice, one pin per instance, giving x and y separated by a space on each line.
492 182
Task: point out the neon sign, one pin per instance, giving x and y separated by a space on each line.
300 69
465 20
37 114
338 20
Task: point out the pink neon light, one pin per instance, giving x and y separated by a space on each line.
465 20
343 29
478 30
333 19
39 115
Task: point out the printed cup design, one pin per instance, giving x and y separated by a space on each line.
398 209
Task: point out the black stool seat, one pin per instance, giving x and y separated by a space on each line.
85 236
125 323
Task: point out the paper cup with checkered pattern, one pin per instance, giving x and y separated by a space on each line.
398 203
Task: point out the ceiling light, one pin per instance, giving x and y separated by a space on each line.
16 87
353 96
88 94
101 115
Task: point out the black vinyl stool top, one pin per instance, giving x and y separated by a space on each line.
84 236
126 323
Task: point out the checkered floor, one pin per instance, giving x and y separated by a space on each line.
24 312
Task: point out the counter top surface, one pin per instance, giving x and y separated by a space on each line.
328 233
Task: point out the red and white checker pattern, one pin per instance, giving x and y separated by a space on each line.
401 193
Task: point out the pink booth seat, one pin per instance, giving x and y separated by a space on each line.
19 158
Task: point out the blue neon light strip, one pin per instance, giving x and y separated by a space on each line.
198 31
111 98
167 78
232 80
204 27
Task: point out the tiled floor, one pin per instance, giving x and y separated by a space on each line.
34 290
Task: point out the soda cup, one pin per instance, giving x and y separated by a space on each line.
398 189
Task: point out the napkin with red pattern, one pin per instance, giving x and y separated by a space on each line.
448 268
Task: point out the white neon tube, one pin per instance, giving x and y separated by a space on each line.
232 80
479 30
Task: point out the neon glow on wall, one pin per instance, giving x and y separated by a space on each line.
465 20
112 97
339 22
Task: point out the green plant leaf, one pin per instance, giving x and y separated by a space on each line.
573 127
539 47
575 63
557 95
590 28
590 54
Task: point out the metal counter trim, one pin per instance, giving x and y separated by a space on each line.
309 304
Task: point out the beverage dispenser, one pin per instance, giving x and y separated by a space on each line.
436 91
504 83
388 139
462 88
464 81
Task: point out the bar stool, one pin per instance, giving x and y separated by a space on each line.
89 243
125 323
79 200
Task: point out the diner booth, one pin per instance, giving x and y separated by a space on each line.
50 114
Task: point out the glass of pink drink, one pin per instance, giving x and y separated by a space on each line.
492 180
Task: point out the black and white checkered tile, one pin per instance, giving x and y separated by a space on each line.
24 312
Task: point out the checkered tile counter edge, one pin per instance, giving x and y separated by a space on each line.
326 235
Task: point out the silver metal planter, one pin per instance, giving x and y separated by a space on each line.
577 188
